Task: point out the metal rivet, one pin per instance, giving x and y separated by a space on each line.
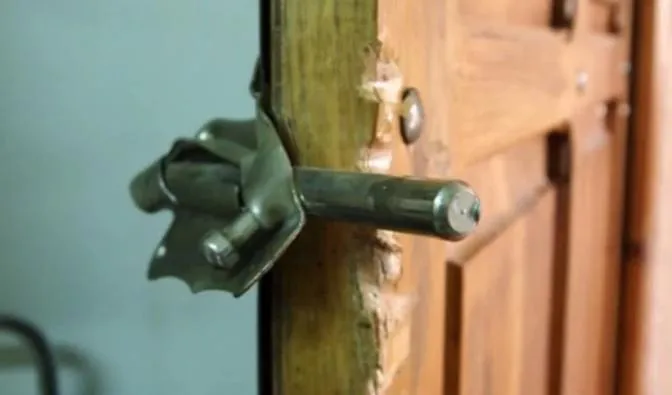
219 250
582 81
204 135
412 116
160 251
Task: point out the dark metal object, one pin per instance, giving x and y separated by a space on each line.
231 184
46 362
239 203
445 209
412 116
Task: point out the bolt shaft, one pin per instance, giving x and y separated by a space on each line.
447 209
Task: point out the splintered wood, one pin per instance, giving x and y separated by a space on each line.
386 296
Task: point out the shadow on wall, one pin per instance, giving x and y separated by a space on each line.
12 357
38 352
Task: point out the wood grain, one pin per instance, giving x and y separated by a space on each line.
647 344
507 184
420 35
532 12
505 308
324 338
507 95
596 204
594 254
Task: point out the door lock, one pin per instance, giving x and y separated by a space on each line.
238 203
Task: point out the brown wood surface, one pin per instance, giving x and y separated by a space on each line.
596 202
593 271
646 352
526 305
506 307
499 308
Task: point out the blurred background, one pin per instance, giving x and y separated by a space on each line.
89 93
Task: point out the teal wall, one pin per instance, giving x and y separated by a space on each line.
90 91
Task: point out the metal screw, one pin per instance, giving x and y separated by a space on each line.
412 116
219 251
204 135
582 81
160 251
464 211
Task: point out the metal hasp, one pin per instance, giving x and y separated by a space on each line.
232 194
238 203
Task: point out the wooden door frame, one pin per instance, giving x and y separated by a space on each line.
646 318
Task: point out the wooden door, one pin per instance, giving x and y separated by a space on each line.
526 101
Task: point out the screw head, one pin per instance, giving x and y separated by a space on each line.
219 251
412 115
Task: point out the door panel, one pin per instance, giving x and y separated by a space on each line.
534 12
506 307
593 267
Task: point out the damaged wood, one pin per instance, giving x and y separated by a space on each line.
338 307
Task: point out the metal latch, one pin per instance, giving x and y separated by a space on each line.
238 203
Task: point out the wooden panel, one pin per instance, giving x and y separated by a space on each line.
593 267
507 95
595 226
507 184
601 14
647 322
531 12
504 305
